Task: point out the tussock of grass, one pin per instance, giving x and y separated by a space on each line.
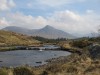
22 71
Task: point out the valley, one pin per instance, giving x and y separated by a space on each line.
36 55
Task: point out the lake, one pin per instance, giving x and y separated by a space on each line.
29 57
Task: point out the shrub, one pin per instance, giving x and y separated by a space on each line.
44 73
72 69
3 72
81 43
22 71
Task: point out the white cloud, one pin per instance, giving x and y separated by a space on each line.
65 20
3 22
6 4
19 19
42 4
54 3
75 23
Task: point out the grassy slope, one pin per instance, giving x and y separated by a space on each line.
11 38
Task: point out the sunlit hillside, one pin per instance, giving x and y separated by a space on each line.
11 38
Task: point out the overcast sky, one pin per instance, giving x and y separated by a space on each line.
73 16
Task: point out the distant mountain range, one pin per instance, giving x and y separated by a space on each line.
46 32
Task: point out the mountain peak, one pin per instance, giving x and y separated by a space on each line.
48 27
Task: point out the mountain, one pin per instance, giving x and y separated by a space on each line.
12 38
17 29
46 32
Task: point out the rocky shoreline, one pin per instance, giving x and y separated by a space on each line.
11 48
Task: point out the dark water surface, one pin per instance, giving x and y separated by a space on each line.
29 57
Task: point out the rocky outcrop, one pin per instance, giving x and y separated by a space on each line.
95 51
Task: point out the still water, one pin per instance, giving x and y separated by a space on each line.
29 57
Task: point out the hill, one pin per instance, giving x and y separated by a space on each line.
10 38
